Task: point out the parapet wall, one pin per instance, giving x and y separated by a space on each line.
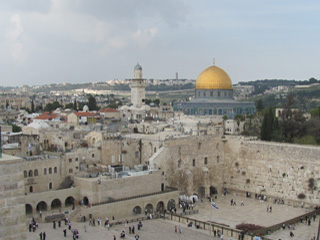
276 169
12 209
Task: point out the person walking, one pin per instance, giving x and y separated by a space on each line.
180 229
65 232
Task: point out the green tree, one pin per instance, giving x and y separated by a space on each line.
16 128
310 140
75 107
32 106
52 106
259 105
92 104
267 125
315 112
292 121
69 106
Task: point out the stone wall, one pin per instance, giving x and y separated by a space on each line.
12 209
123 209
193 164
274 169
119 188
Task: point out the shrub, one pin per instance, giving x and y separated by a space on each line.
301 196
248 227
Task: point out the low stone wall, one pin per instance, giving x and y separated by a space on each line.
123 209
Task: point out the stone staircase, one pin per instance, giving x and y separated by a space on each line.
153 159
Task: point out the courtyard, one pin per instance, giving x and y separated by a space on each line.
253 211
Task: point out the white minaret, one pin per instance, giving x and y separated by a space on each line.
138 87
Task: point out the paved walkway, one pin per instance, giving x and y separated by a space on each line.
253 211
152 230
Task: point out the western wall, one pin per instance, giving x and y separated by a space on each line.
241 164
275 169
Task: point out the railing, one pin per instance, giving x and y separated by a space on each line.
133 197
268 230
225 230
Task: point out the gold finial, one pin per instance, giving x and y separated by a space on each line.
214 61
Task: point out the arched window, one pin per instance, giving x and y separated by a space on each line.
35 173
25 174
31 189
30 173
50 170
50 185
45 171
55 170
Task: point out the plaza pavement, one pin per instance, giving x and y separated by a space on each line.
253 211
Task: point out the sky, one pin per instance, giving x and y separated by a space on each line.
77 41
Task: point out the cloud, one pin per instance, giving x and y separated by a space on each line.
143 37
14 40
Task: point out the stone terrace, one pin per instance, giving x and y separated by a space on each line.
254 212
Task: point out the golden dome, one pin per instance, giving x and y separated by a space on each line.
213 78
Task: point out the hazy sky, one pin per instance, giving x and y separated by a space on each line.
75 41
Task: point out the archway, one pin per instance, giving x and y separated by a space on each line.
85 201
213 190
42 206
136 210
160 206
69 201
28 209
149 208
171 204
56 203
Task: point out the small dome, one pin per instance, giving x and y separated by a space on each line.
213 78
137 67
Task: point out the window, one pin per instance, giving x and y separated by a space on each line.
92 155
50 170
205 160
112 159
77 159
55 170
70 159
45 171
179 163
25 173
199 145
193 162
31 189
30 173
155 150
50 185
70 170
137 154
36 173
218 158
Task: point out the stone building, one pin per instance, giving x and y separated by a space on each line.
214 96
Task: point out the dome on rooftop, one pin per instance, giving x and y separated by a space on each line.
138 67
213 77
